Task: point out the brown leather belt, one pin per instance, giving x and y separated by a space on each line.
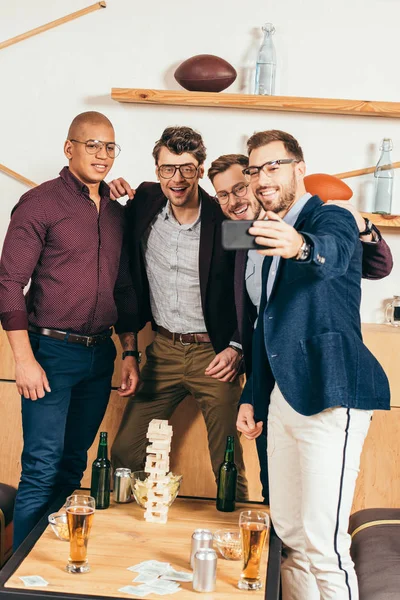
73 338
184 338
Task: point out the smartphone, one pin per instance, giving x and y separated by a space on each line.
235 236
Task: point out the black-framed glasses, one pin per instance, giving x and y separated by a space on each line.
239 190
95 146
187 171
270 168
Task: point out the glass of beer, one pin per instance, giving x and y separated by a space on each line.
80 511
254 526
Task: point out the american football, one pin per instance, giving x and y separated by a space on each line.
205 73
327 187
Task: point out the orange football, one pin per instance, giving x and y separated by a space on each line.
327 187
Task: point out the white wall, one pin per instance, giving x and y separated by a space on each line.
343 50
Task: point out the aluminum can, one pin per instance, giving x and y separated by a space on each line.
122 485
201 538
205 570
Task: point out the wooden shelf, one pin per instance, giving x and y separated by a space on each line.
332 106
392 221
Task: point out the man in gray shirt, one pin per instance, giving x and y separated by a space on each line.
184 285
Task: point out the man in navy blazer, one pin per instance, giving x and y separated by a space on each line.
311 372
237 201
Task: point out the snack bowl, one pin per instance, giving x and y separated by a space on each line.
141 485
59 524
229 543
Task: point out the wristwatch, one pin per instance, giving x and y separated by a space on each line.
368 227
135 353
304 251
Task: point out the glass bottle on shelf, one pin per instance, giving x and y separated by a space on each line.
384 176
266 64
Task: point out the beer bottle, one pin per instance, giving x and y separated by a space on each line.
226 493
101 472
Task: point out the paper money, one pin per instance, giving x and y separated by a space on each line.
138 590
159 584
173 575
34 581
149 564
147 576
160 592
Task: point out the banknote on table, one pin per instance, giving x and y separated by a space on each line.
173 575
162 585
34 581
146 577
149 564
138 590
163 592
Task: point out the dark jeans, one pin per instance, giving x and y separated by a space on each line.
261 443
59 429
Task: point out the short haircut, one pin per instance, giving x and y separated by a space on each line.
90 117
222 164
180 140
262 138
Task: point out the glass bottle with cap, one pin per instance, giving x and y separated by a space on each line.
227 478
384 177
101 473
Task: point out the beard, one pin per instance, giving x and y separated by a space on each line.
284 201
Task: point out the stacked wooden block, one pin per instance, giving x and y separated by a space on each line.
159 435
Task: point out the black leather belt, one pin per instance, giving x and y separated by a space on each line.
73 338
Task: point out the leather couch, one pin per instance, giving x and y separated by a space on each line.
375 550
7 498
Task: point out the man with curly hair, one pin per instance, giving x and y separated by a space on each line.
184 285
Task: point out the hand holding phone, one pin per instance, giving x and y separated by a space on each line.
236 236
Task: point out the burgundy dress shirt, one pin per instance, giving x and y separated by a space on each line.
75 258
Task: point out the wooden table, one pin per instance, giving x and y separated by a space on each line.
121 538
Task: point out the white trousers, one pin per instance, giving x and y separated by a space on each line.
313 464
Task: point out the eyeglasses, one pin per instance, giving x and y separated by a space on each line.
94 146
270 168
187 171
239 190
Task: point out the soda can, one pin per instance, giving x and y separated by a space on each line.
122 485
205 570
201 538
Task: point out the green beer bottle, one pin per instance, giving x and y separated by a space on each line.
101 473
226 493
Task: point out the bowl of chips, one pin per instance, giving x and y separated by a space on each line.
141 485
58 523
229 543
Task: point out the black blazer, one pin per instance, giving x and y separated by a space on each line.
216 265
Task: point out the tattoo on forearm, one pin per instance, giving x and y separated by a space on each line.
128 341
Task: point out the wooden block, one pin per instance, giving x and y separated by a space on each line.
159 495
159 445
155 518
157 454
159 430
159 465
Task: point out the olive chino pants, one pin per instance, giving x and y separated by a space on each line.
172 372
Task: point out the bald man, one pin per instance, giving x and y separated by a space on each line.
66 236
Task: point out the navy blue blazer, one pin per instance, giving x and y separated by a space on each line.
308 337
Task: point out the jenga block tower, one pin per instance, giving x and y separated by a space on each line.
159 435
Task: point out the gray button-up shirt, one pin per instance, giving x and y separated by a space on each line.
255 260
171 257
